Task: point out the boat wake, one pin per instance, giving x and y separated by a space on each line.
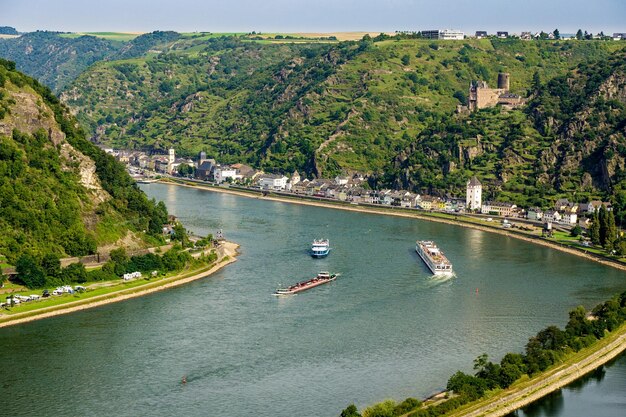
439 279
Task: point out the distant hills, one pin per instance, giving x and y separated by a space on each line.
59 193
8 30
56 59
381 106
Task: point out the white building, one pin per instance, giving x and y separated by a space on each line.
272 182
444 34
222 173
569 218
552 216
474 196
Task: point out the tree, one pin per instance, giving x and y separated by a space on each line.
51 265
75 272
119 261
406 60
180 234
350 411
604 224
536 82
384 409
30 272
460 95
407 405
119 255
576 231
611 232
579 34
557 34
594 229
185 170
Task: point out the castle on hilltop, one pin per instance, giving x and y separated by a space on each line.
481 96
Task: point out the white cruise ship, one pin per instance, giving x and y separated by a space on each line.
433 257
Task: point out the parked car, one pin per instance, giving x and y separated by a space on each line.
46 293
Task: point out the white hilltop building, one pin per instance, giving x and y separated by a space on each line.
474 197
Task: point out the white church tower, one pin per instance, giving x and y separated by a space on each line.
171 158
474 197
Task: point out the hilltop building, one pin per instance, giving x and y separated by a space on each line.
443 34
481 96
480 34
473 201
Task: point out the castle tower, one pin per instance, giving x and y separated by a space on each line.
503 81
171 157
473 200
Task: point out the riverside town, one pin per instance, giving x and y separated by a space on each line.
354 189
313 209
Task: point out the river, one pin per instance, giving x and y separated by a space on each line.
385 329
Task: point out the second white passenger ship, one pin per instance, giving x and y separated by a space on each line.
433 257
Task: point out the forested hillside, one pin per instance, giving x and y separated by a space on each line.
56 59
59 193
317 108
383 107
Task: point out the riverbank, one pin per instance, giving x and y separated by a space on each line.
227 254
454 219
524 393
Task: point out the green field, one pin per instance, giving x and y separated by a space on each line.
112 36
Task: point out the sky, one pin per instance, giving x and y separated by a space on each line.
313 15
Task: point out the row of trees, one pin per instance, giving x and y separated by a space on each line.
543 350
35 272
603 230
46 271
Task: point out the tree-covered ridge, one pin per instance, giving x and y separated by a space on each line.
49 202
318 108
55 60
144 43
8 30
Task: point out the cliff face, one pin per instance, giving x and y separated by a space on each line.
29 114
585 115
57 190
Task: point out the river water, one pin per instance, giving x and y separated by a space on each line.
385 329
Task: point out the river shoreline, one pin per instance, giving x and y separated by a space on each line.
516 397
228 256
411 215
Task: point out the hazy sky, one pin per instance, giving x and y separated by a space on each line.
313 15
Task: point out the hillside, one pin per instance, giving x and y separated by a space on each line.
569 141
384 107
60 194
313 107
56 59
52 59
